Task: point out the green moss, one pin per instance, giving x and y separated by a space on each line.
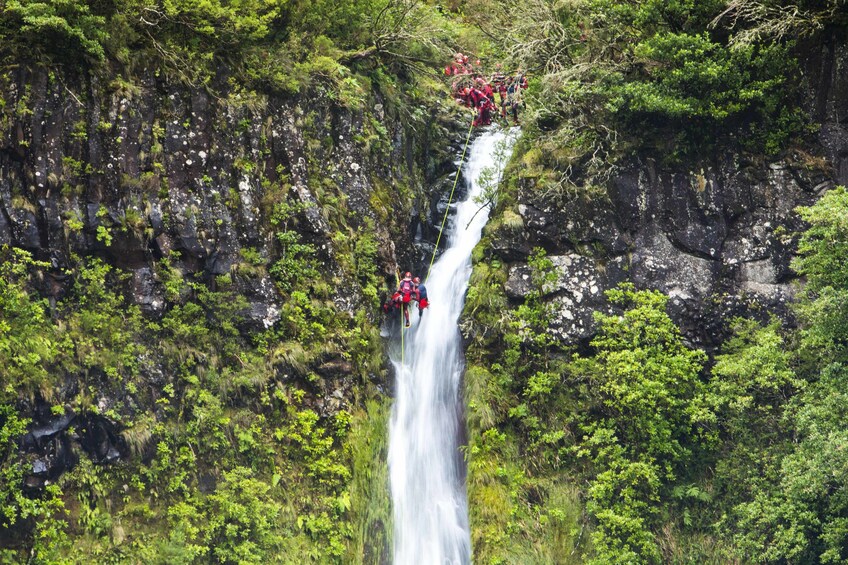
370 497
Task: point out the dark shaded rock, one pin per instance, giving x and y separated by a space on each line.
146 291
5 229
714 239
335 369
41 434
24 226
99 439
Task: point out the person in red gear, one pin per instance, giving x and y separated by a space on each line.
486 89
502 91
465 97
421 296
475 98
405 293
490 103
483 105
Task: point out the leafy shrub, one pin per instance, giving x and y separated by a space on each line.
65 27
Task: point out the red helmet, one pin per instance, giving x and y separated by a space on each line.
416 280
407 275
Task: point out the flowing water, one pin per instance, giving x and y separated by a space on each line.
426 466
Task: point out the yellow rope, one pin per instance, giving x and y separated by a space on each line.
450 199
402 325
402 346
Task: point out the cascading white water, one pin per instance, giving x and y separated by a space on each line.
426 467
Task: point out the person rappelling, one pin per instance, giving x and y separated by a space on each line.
409 289
405 293
420 296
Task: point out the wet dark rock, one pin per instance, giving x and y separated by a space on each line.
49 429
716 239
577 293
207 483
146 291
202 190
51 442
335 368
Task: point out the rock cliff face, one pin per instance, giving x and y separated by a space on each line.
716 235
134 171
162 168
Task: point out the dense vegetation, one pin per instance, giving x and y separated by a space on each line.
267 44
740 460
667 80
221 417
637 447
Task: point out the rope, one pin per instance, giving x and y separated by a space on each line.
402 346
402 325
450 199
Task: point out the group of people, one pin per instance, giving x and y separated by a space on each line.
409 289
471 89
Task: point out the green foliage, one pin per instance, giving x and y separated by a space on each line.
279 45
231 464
236 453
47 541
243 519
357 254
644 393
820 250
296 265
645 378
63 26
370 498
28 343
690 76
661 77
825 241
228 22
739 460
102 330
515 406
752 381
801 516
628 421
623 500
791 506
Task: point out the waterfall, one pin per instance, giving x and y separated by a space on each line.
427 470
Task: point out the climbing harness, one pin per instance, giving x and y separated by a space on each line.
450 199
